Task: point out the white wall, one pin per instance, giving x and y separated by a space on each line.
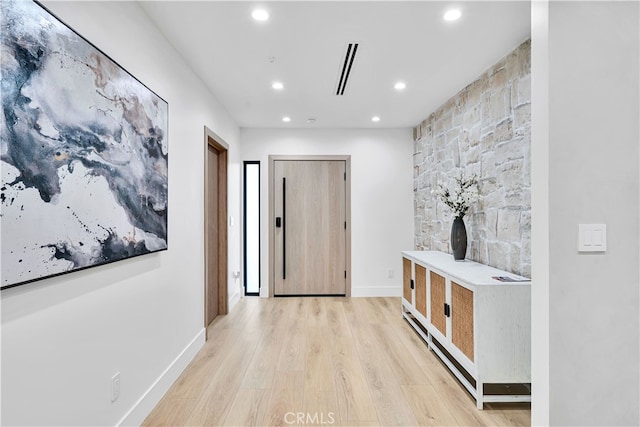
593 178
63 338
381 195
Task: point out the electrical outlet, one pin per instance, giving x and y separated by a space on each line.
390 273
115 387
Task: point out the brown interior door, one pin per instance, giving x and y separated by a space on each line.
213 264
310 233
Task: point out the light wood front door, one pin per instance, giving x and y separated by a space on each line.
310 227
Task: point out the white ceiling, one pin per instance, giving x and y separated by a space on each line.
307 42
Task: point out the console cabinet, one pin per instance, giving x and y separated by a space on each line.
478 325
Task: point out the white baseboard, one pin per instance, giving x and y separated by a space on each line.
143 407
375 291
235 298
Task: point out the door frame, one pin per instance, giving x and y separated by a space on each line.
218 144
272 189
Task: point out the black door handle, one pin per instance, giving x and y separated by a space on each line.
284 228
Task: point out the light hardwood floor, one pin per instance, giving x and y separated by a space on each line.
321 361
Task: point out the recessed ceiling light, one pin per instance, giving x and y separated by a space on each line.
400 86
277 85
260 15
375 119
452 15
286 119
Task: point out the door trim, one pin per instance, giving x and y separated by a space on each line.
218 144
244 226
272 243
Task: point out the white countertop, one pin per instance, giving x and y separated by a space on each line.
467 271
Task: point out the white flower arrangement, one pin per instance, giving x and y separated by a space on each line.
464 195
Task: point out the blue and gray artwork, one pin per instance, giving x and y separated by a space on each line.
83 153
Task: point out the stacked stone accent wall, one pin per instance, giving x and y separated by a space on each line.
485 130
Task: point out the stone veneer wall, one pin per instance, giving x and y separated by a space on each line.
485 130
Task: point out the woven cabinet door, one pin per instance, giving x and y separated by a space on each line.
462 319
406 279
421 290
438 298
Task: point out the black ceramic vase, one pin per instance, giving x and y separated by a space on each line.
458 239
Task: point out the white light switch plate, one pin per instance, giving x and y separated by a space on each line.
592 237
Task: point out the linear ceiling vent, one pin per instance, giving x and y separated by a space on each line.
346 68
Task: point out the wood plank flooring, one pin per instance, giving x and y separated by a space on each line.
325 362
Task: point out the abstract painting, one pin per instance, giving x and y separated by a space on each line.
83 153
